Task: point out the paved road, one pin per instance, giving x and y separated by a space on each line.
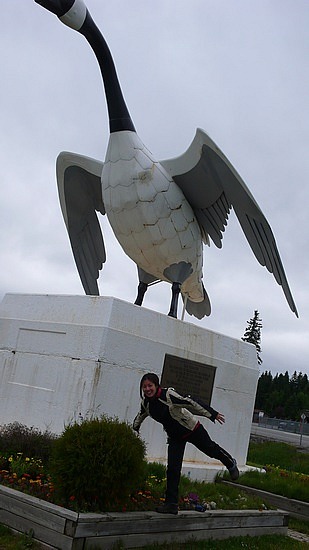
279 435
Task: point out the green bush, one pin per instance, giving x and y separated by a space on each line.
30 442
97 464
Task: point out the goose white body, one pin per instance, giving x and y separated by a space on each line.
149 214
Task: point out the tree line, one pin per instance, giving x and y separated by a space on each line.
282 395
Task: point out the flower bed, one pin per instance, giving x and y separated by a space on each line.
29 476
29 501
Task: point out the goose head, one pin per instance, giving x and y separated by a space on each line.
58 7
70 12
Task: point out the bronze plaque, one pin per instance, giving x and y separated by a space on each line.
188 377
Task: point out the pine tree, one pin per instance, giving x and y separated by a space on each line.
253 334
264 388
283 396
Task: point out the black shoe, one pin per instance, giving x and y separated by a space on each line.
167 508
234 472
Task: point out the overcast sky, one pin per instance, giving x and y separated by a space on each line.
237 69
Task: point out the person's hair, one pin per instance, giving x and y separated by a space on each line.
149 376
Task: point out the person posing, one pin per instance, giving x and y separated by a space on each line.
176 413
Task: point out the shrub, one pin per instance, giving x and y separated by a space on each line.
30 442
97 464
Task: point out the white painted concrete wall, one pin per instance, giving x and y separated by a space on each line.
65 356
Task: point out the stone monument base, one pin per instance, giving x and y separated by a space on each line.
64 358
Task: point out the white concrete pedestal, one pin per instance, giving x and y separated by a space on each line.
62 357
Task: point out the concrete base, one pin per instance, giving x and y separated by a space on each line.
67 357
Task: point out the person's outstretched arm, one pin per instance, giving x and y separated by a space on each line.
140 417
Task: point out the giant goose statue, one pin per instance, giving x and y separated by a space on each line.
160 211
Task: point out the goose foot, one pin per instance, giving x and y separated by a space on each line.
174 302
141 289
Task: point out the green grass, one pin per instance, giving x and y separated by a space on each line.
280 454
10 541
287 470
299 525
280 482
265 542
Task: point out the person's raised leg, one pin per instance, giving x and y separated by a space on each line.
201 439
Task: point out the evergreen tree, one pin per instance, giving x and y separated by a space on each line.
253 334
264 388
283 396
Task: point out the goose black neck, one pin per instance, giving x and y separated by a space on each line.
119 117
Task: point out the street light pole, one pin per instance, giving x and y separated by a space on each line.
302 421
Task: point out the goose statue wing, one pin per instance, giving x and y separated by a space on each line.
212 186
80 194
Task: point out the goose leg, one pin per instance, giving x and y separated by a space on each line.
174 302
141 289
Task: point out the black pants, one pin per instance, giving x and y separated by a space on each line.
176 449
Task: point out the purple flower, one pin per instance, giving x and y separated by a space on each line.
193 497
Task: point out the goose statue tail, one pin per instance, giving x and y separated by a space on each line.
198 309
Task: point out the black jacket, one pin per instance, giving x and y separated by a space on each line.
174 412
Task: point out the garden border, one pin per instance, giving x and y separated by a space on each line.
60 528
296 508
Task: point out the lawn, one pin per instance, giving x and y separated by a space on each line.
266 542
287 470
9 541
280 455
